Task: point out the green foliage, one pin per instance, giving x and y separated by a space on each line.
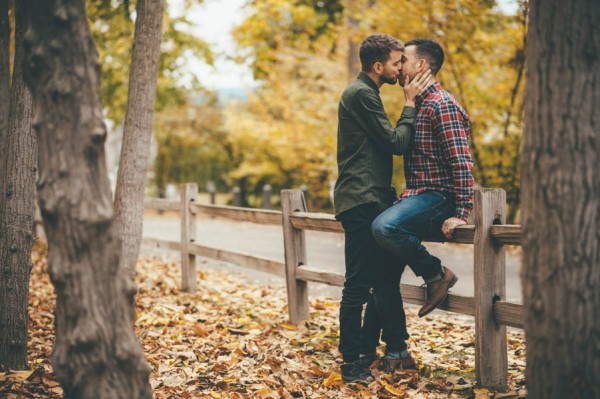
112 26
191 145
502 168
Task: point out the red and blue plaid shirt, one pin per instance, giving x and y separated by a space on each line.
439 157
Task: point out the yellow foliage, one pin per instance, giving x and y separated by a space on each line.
286 133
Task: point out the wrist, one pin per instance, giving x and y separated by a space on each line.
409 103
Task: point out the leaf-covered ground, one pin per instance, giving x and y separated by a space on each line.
231 340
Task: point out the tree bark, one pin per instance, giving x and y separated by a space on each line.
96 354
137 132
353 59
17 208
4 72
561 200
353 65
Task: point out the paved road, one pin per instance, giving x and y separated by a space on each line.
324 250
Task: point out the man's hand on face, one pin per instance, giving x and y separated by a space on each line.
449 226
416 85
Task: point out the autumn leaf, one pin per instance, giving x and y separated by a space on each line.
390 389
507 395
194 353
288 326
318 372
267 394
334 379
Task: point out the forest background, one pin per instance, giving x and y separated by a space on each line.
302 53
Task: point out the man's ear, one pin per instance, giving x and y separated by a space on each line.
378 68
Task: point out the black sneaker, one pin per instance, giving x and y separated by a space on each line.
367 360
356 372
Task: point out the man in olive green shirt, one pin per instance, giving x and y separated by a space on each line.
367 142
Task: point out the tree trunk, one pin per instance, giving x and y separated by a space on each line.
96 354
353 65
17 208
561 200
353 59
4 72
137 132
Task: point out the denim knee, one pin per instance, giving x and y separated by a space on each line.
380 229
355 296
383 232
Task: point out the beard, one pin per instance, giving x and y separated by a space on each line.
388 79
401 79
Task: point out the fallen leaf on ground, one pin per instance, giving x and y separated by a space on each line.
232 340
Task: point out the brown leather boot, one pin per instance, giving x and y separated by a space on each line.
437 291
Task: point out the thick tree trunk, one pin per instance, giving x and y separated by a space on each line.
4 72
137 132
96 354
17 207
561 200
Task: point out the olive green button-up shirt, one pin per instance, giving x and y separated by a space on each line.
366 143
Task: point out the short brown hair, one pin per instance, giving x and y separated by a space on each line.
429 50
377 48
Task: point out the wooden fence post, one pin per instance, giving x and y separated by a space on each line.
189 194
304 190
267 197
295 255
237 196
491 361
212 192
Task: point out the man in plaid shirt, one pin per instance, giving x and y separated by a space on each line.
439 183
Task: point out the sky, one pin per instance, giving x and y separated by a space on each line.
213 21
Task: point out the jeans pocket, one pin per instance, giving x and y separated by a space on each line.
441 200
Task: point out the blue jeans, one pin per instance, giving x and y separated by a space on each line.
368 281
401 228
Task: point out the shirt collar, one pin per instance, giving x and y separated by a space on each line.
365 78
428 92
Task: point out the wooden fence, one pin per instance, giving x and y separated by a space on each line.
488 234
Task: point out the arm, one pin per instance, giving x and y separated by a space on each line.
374 121
452 127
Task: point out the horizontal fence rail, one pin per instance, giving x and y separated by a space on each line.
492 314
258 216
504 234
161 204
238 258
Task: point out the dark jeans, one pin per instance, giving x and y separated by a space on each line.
401 228
372 277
